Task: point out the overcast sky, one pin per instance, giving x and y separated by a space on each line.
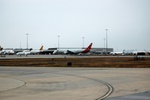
127 21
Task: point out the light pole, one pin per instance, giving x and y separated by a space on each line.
27 40
83 41
104 45
58 41
106 40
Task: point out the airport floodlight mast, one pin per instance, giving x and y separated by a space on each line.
27 40
58 41
83 41
106 41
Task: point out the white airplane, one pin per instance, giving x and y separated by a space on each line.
73 51
6 51
117 53
27 52
36 51
124 52
9 52
139 53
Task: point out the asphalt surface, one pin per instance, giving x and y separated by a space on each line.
137 96
32 83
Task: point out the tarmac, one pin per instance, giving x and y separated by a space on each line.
41 83
137 96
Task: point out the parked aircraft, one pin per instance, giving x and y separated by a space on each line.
16 50
8 51
27 52
48 51
117 53
129 52
139 53
73 51
36 51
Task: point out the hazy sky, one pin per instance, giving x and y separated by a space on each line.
127 21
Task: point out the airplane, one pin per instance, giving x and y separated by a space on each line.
25 52
124 52
48 51
36 51
16 50
8 51
139 53
73 51
28 52
117 53
129 52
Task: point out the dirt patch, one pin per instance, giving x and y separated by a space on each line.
118 62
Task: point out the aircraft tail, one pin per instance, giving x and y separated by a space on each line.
88 48
41 48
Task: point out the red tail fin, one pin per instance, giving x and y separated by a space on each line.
87 49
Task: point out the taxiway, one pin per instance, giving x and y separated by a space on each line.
32 83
